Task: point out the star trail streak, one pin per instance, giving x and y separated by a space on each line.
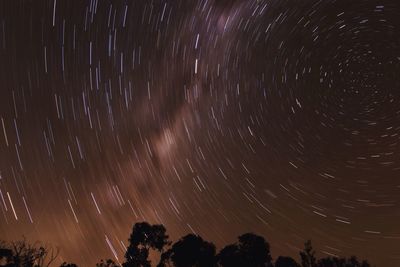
209 116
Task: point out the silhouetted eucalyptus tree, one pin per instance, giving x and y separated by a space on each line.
68 265
308 255
251 251
143 238
286 262
190 251
107 263
229 256
23 254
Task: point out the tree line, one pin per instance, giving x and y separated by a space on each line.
250 250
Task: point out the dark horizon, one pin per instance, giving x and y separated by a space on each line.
150 245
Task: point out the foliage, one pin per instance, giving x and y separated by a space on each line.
23 254
283 261
68 265
107 263
143 238
342 262
190 250
250 250
308 255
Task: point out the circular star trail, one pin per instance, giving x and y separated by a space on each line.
214 116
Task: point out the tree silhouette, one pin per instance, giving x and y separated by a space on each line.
308 255
68 265
354 262
5 255
107 263
143 238
331 262
189 251
230 256
283 261
342 262
23 254
251 250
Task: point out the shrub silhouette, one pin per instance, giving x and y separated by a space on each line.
342 262
23 254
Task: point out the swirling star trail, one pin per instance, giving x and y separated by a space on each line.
208 116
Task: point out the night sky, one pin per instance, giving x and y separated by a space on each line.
280 117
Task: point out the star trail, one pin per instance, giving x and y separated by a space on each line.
212 117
